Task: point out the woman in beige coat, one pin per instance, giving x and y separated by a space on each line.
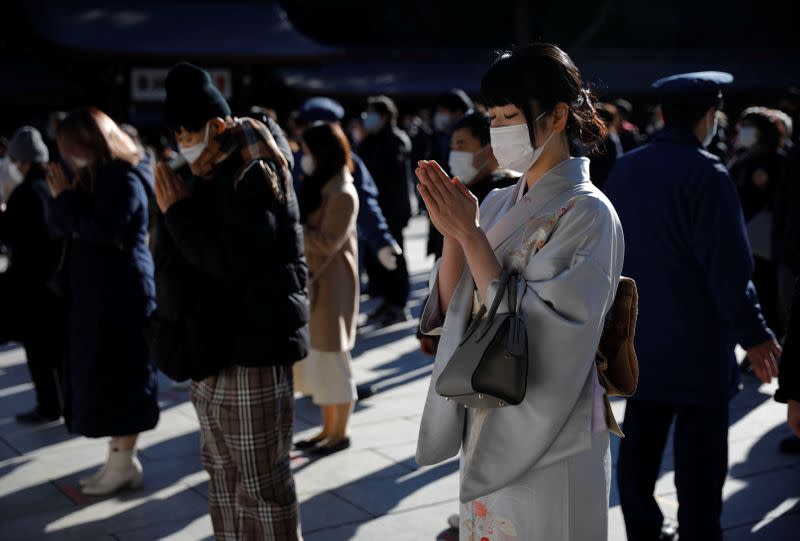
328 208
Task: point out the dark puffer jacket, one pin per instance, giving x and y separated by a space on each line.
231 274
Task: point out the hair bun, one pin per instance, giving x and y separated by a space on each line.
584 99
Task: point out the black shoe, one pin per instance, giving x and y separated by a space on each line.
378 313
304 445
364 391
790 445
325 450
393 316
37 417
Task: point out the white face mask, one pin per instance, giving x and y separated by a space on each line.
747 137
191 153
441 121
372 122
462 165
711 132
307 165
14 172
80 163
513 149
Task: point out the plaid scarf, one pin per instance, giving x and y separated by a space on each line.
246 136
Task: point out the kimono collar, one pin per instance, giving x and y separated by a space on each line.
679 136
568 176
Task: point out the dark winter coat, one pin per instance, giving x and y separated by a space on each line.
35 247
687 249
231 272
110 386
387 156
789 373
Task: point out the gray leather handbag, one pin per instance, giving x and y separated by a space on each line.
489 369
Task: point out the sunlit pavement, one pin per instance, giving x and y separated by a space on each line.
372 491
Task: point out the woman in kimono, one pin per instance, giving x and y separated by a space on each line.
538 471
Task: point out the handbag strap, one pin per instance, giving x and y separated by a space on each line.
508 281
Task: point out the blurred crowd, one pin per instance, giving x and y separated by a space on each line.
115 269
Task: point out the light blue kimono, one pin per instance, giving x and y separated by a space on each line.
565 239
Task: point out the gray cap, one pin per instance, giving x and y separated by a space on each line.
27 146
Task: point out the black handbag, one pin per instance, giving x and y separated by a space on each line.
489 369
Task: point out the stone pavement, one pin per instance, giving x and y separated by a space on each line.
373 491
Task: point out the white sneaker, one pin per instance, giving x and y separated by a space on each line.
123 470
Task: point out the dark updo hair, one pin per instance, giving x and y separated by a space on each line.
331 152
477 123
536 78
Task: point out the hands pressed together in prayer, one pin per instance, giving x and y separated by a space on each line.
452 208
454 211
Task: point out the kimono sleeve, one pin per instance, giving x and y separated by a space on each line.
432 319
563 300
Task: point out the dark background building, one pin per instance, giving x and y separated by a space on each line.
58 54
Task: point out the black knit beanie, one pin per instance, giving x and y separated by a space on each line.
192 98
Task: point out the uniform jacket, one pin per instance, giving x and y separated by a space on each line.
565 239
330 235
688 251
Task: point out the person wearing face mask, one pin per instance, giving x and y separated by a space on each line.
539 469
450 107
687 249
110 384
756 170
32 313
386 151
473 162
232 301
373 231
328 209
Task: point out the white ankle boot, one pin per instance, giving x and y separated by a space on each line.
92 479
123 470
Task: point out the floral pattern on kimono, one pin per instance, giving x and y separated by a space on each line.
537 233
478 523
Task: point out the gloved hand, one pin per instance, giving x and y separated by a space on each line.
388 257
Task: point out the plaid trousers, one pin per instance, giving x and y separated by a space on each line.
246 419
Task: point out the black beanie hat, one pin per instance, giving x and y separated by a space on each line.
192 98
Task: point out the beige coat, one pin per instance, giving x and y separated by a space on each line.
330 236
